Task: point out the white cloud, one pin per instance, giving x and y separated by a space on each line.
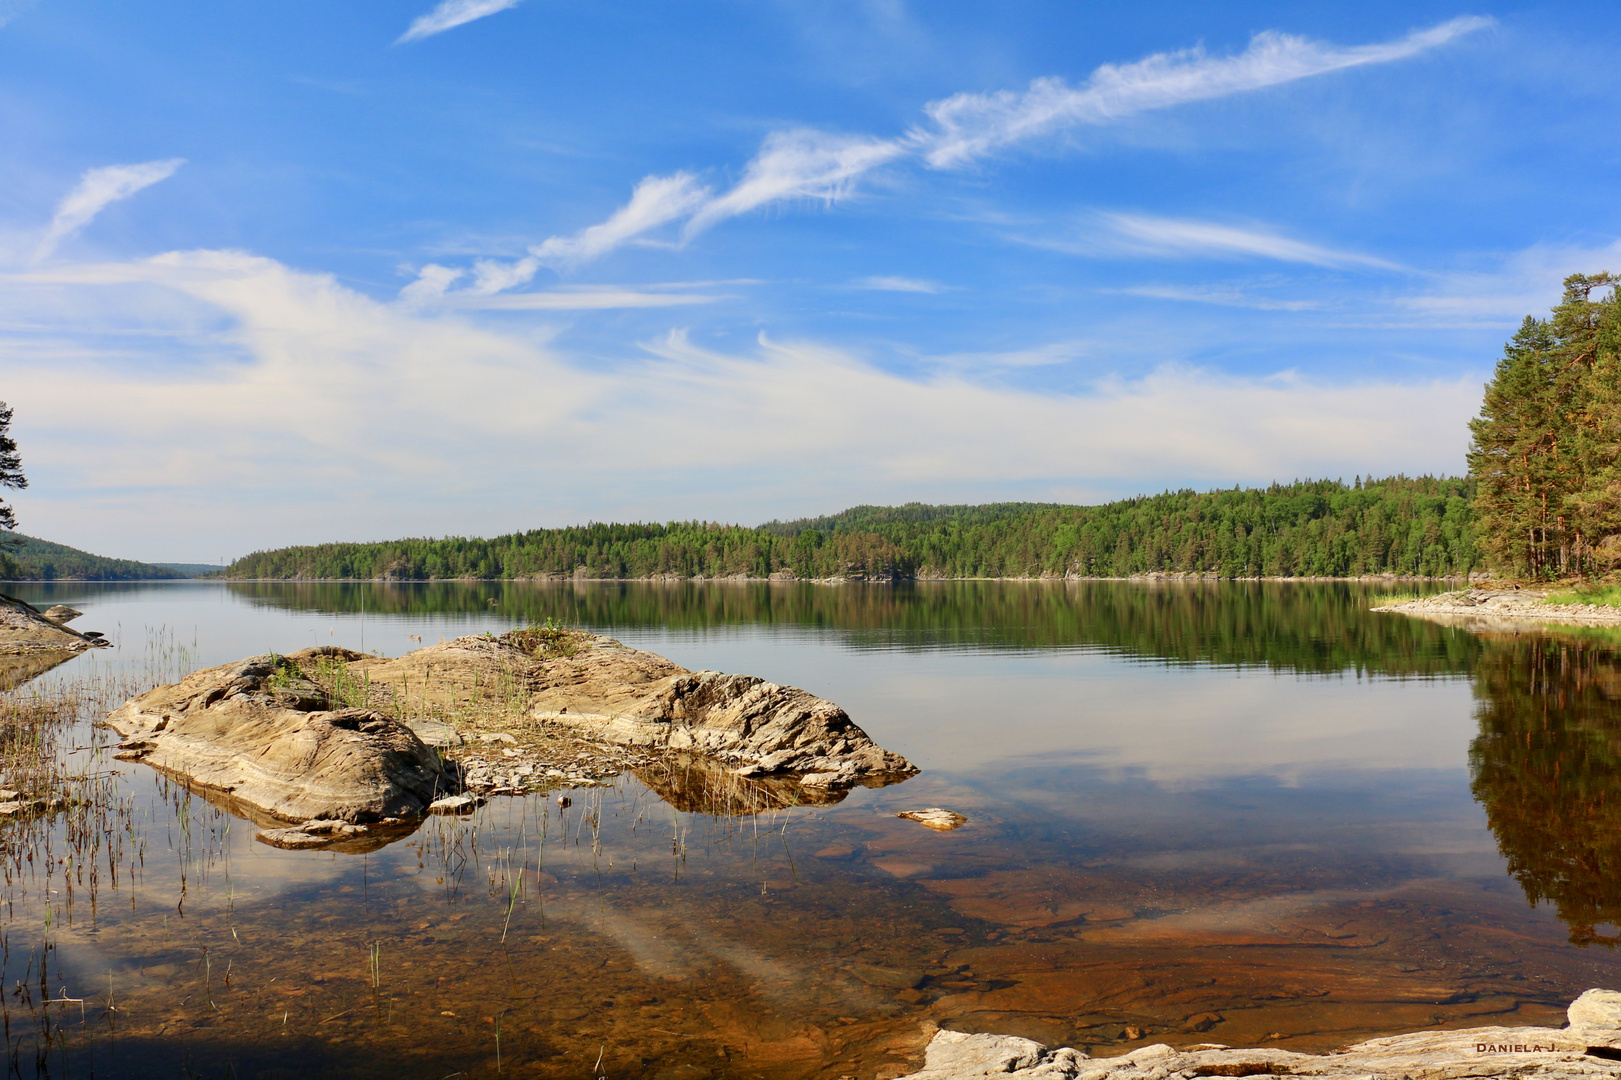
308 411
1237 298
431 283
1144 234
450 14
799 164
96 189
886 283
968 126
656 201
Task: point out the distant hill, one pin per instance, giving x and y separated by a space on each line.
192 569
1397 525
33 559
859 518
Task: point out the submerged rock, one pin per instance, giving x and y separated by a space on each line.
260 732
935 818
24 629
61 614
1591 1046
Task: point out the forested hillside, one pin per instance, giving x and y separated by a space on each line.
1398 525
32 559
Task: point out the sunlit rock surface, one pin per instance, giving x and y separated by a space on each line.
590 687
1590 1046
24 630
330 734
271 740
1498 608
638 698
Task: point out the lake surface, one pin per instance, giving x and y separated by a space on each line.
1239 813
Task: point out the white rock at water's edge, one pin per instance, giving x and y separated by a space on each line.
1525 1052
454 804
1596 1010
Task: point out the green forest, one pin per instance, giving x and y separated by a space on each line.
28 558
1318 528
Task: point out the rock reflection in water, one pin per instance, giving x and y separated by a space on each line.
700 785
1547 768
18 669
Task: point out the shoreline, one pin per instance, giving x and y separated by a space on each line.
1154 576
1585 1047
1493 609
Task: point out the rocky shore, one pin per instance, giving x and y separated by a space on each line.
1497 607
1589 1047
25 630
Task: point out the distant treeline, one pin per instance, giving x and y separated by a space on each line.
1321 528
27 558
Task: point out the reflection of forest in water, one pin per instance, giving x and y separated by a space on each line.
1315 628
1547 768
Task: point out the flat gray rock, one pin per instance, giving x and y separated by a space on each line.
436 733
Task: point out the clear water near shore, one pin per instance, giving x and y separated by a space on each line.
1242 813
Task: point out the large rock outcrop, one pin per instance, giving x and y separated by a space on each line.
1590 1046
24 630
641 699
326 735
599 690
274 740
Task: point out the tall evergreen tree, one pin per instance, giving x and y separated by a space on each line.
1546 442
11 468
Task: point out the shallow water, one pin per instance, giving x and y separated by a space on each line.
1241 813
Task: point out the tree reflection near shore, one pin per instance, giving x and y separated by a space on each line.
1547 768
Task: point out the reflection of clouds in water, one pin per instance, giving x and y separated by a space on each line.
1169 725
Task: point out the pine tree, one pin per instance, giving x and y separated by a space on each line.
11 468
1545 445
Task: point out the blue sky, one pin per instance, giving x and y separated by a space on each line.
293 272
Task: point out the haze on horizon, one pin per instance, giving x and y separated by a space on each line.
291 273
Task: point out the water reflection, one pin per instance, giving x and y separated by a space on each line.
1547 768
1308 627
16 670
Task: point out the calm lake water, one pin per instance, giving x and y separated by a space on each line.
1245 813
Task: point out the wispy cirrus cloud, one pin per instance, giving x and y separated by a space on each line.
451 14
1151 235
1237 298
889 283
656 201
800 164
969 126
810 164
96 189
